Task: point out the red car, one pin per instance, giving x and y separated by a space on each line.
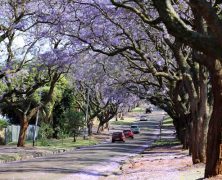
128 133
118 136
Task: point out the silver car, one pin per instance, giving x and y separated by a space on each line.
135 129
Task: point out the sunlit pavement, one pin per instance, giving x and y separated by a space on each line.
91 163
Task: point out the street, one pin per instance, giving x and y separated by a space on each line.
85 163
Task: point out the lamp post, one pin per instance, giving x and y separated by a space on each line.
87 112
35 128
36 124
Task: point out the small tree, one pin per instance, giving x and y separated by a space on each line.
74 122
3 123
45 132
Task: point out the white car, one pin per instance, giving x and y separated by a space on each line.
143 118
135 129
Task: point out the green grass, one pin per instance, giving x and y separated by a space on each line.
166 142
62 144
120 122
125 121
137 109
52 145
68 143
167 122
11 157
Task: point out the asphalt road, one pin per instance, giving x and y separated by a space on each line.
86 163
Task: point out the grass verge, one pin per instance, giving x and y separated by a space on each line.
125 121
138 109
50 146
166 142
11 157
167 122
66 143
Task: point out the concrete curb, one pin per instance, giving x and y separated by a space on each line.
32 155
41 153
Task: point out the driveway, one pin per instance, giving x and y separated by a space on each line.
91 163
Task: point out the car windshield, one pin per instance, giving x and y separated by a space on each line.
126 130
116 133
134 126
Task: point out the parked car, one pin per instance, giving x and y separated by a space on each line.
118 136
143 118
128 133
135 129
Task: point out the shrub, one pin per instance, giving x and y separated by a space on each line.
45 132
3 123
74 122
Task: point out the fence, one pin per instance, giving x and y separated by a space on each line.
11 133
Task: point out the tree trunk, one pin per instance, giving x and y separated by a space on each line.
116 117
121 116
24 123
200 124
190 127
185 136
89 126
195 140
102 128
182 130
99 127
186 139
198 107
74 138
107 126
213 162
203 119
55 125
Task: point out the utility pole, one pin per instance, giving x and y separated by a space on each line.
35 128
36 124
87 112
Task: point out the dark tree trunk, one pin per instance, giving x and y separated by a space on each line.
107 126
186 139
185 134
99 127
55 125
24 123
116 117
190 138
182 130
74 138
199 128
213 163
193 122
102 128
203 119
89 126
199 119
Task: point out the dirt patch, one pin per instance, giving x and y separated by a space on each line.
102 137
161 163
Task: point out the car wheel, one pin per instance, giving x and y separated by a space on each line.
132 137
113 141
